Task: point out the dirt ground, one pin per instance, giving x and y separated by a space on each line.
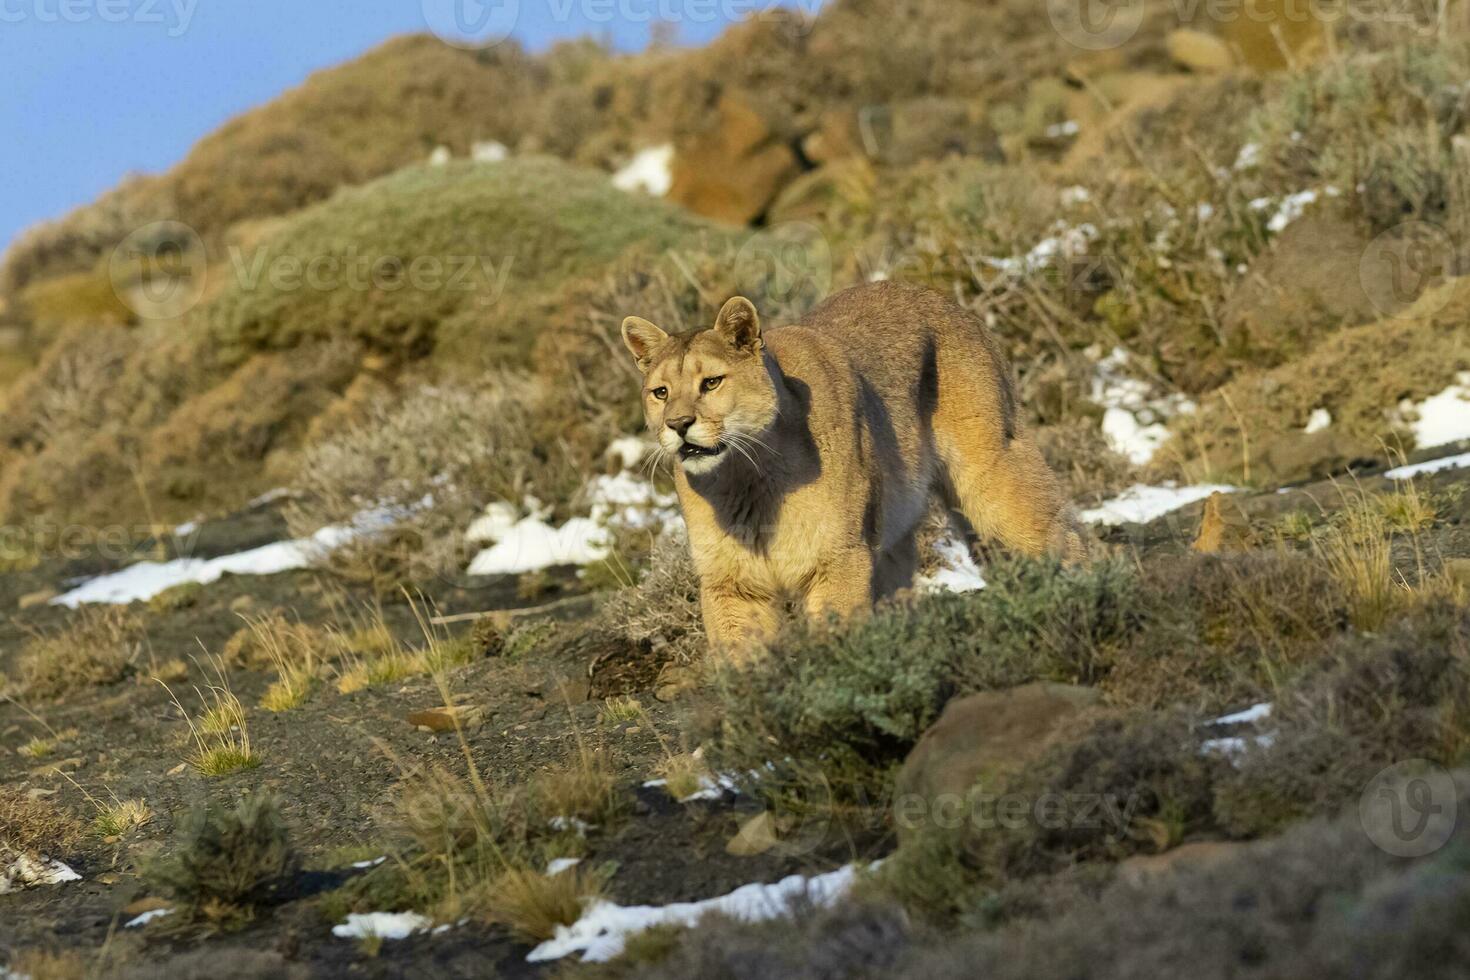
334 761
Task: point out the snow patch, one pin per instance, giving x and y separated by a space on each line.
577 824
1134 419
1067 242
651 170
1251 715
1075 195
1442 418
490 151
140 921
1236 746
1430 466
1319 421
493 525
147 579
957 570
599 935
1291 207
710 788
558 865
628 451
382 925
31 872
1141 503
529 543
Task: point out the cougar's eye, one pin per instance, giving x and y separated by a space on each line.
710 384
661 393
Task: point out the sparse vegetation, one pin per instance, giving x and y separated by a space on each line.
220 733
100 646
533 904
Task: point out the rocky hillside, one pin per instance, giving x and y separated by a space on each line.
347 625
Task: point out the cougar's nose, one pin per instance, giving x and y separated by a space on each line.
680 424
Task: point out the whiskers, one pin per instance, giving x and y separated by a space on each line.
746 445
655 459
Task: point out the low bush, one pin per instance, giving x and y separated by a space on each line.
447 254
227 860
858 698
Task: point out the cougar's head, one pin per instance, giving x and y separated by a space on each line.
706 394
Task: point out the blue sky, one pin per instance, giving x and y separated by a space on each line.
101 88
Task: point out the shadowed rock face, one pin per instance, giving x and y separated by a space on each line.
734 170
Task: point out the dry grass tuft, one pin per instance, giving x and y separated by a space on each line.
532 904
33 824
1358 552
581 788
296 651
221 735
101 646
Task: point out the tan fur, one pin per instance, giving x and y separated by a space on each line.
837 431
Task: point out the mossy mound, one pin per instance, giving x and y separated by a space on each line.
433 254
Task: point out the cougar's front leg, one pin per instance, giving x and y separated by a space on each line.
842 585
737 621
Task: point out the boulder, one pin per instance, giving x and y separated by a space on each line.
1223 527
733 170
1199 51
1141 868
756 836
984 737
447 718
842 185
1313 279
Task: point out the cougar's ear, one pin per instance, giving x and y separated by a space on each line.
739 324
643 340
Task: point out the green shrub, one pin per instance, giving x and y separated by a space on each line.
435 253
858 698
227 858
